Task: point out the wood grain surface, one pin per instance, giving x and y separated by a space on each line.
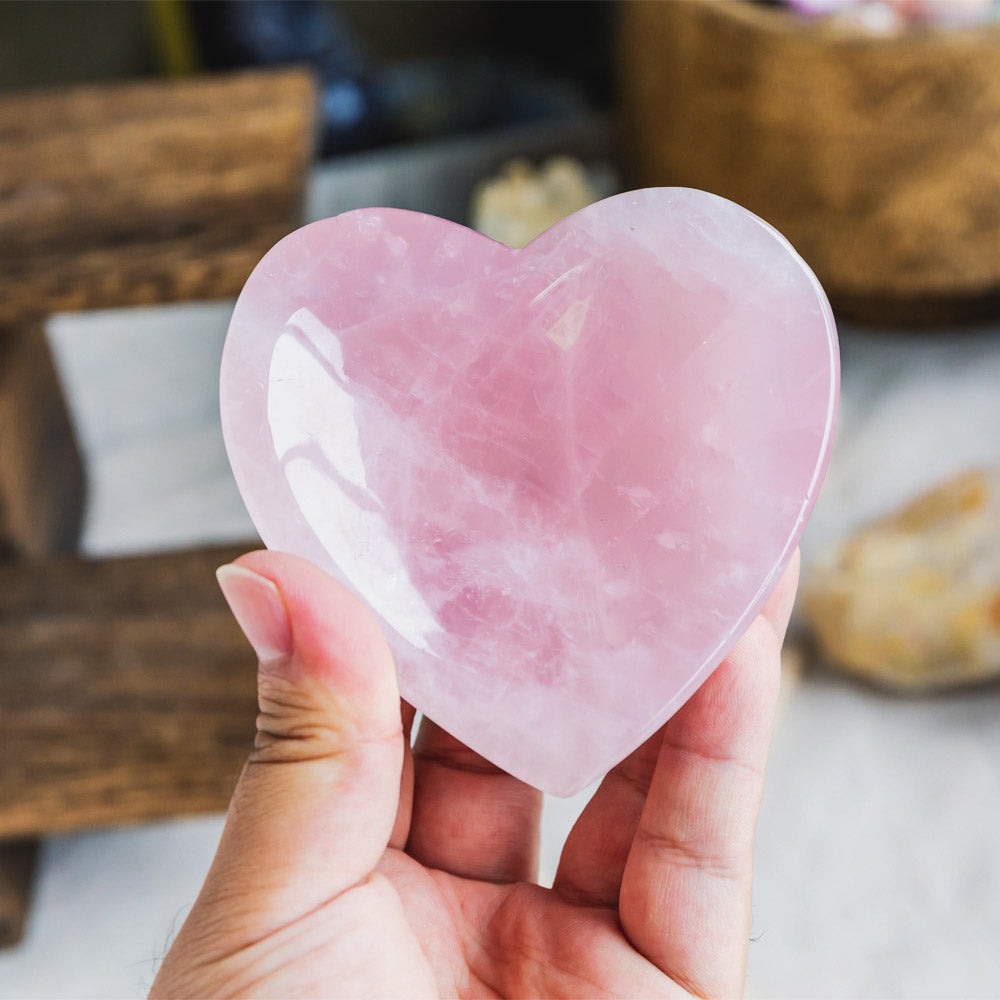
42 482
127 692
878 157
147 192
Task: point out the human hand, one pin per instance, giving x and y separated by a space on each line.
350 866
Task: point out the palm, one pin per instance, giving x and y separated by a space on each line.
518 940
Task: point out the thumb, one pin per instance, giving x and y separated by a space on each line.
314 808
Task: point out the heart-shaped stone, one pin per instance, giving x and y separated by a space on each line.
566 477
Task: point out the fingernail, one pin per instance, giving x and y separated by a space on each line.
257 606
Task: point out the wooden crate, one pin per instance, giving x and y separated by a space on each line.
878 157
126 690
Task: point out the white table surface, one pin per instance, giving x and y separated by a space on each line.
878 853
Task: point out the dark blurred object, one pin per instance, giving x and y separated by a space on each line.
63 42
364 104
424 98
17 867
233 34
42 479
876 157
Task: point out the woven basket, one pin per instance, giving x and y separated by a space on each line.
878 157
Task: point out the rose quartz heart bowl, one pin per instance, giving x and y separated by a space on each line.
565 477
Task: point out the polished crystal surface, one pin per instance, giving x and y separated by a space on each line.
566 477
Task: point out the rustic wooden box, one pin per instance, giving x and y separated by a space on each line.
126 690
878 157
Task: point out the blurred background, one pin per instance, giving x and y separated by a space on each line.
151 152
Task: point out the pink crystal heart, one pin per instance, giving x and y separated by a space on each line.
565 477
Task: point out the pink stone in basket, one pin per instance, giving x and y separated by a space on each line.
566 477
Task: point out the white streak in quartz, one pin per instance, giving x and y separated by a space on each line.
549 289
566 330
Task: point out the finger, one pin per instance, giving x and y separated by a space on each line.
314 807
685 895
404 812
469 817
594 855
408 714
778 607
